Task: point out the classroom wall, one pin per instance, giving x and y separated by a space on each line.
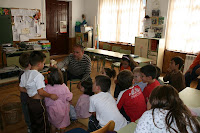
29 4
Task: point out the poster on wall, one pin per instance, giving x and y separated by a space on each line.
63 26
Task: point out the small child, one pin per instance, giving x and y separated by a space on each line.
109 72
131 101
24 62
127 63
58 111
167 114
137 77
103 106
82 106
174 75
149 76
32 82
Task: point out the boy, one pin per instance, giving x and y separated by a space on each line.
24 62
103 106
174 75
33 81
137 77
132 103
148 76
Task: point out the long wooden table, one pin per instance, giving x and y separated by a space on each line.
116 55
190 97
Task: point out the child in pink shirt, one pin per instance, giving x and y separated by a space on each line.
58 110
82 106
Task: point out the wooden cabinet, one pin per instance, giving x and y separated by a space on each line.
152 48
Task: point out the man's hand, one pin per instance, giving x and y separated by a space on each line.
53 97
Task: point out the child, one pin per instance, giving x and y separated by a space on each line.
58 111
24 62
167 114
32 82
127 63
103 106
132 103
109 72
82 106
148 76
174 75
137 77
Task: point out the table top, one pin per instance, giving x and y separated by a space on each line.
116 54
190 97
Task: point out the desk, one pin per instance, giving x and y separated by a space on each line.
190 97
115 55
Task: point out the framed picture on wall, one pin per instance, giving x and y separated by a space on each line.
161 20
154 20
155 13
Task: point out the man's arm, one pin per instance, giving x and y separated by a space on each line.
63 63
43 93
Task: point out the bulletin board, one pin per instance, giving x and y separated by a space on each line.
25 24
5 26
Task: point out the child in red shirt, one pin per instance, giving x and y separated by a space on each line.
149 76
132 103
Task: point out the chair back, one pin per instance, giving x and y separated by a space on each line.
116 48
108 127
125 51
106 46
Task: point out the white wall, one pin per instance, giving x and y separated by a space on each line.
29 4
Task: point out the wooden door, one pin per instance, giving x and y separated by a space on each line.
57 11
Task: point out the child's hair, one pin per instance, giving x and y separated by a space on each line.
149 70
125 79
130 61
24 59
166 97
36 57
178 61
87 87
54 76
110 72
157 72
104 82
136 70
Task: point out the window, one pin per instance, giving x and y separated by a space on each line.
183 24
120 20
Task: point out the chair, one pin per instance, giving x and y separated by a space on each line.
73 81
125 51
106 46
108 127
116 48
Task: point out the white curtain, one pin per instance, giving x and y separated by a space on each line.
120 20
183 26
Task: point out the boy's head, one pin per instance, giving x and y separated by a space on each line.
102 84
125 79
54 76
37 59
148 73
24 59
137 75
176 63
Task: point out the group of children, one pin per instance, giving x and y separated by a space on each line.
137 90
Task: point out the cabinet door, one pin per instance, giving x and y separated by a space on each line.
141 47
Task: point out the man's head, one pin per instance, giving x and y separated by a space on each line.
125 79
148 73
37 59
78 52
102 84
176 63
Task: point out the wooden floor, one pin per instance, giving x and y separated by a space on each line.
13 89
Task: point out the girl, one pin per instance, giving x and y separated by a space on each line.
128 63
82 106
109 72
167 114
58 110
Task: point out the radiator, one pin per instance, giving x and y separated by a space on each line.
188 61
